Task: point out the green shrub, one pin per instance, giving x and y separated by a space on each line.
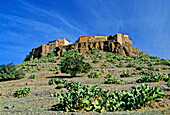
95 60
120 64
10 72
134 73
109 75
32 77
56 81
88 52
151 77
101 56
152 68
168 83
126 74
165 68
131 65
73 63
93 98
104 66
59 86
144 72
112 80
95 74
94 50
55 68
73 85
22 92
139 68
165 62
150 64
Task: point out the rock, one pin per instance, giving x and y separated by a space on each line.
9 107
161 105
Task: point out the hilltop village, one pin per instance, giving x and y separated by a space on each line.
119 43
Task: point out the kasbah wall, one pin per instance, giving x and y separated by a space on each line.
119 43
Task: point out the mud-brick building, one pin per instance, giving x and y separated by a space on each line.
119 43
44 49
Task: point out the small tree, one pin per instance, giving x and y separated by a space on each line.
72 63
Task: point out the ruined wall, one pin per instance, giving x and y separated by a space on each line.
123 39
45 49
83 39
118 38
126 40
53 45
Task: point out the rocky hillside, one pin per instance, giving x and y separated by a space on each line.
88 82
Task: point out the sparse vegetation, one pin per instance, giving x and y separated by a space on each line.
56 81
75 96
32 77
10 72
109 75
131 65
22 92
168 83
95 74
126 74
139 68
112 80
151 77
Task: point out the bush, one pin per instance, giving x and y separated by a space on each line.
95 74
131 65
56 81
95 60
59 86
93 98
152 68
109 75
166 62
165 68
104 66
10 72
138 68
112 80
22 92
32 77
73 63
55 68
168 83
144 72
126 74
120 64
94 50
151 77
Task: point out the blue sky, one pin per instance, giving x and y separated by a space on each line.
26 24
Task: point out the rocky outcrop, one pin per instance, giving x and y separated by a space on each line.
119 43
